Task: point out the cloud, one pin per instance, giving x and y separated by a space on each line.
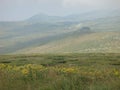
77 2
91 3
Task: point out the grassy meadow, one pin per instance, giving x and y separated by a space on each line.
89 71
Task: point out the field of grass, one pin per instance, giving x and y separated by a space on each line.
60 72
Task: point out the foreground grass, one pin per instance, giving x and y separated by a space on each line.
60 72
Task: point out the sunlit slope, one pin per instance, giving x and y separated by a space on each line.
94 42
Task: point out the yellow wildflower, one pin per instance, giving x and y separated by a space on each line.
25 71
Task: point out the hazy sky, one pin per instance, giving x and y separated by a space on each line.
22 9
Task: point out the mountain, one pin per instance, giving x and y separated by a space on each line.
93 15
97 31
43 18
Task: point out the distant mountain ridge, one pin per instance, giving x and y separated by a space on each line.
75 17
43 18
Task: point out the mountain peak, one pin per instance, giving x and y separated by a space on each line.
41 17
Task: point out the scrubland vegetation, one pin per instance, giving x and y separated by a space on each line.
60 72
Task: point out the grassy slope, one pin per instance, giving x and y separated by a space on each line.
41 37
94 42
106 38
